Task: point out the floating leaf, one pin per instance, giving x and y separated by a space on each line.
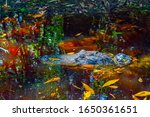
142 94
78 34
134 97
145 98
113 87
4 35
37 15
140 80
88 88
118 20
119 70
88 66
86 95
110 82
52 80
53 94
39 93
20 86
71 64
110 54
76 87
134 60
70 53
56 90
97 71
112 95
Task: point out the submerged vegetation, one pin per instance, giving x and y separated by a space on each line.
34 35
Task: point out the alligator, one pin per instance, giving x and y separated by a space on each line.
88 57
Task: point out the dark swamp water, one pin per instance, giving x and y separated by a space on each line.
74 50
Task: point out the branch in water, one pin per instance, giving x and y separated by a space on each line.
6 51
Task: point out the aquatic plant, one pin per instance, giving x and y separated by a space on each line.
54 33
27 44
102 87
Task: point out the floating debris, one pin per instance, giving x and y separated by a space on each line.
6 51
135 98
140 80
110 82
86 95
53 94
76 87
113 87
88 66
88 88
78 34
70 53
142 94
112 95
52 80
